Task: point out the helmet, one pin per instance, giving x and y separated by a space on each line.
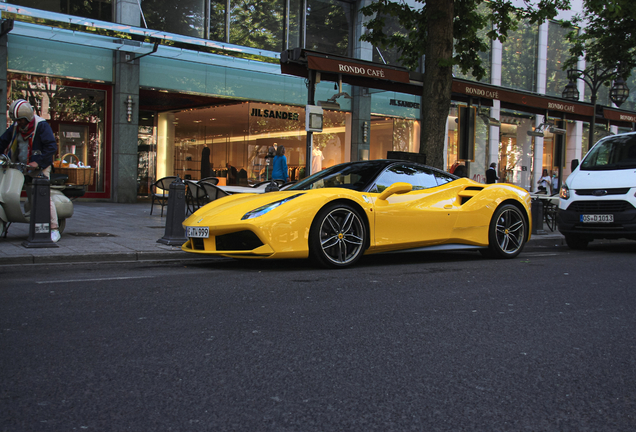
21 109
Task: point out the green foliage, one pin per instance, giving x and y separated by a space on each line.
608 38
475 24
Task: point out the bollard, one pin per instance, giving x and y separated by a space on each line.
40 216
536 210
175 215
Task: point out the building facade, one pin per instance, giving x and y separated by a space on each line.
143 90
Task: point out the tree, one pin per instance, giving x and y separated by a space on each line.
608 36
447 33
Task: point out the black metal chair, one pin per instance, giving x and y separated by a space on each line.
212 192
212 180
160 191
195 196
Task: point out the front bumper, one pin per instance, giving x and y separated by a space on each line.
624 225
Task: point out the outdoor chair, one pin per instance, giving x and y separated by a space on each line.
212 180
195 196
212 192
160 191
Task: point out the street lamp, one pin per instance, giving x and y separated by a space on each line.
594 79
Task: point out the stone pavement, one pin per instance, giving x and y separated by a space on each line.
98 231
102 231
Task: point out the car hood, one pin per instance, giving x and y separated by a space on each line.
235 206
602 179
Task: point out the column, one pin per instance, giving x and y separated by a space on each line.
125 112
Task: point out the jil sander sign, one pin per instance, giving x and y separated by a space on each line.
283 115
366 71
405 104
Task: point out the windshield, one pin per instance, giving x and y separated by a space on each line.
616 152
356 176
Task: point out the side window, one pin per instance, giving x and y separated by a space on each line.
420 178
443 178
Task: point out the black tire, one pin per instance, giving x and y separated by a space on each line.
337 238
576 242
61 225
507 233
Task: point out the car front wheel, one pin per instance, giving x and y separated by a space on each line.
507 233
337 236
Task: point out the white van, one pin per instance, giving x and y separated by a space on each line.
597 200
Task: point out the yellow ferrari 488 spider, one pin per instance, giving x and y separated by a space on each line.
343 212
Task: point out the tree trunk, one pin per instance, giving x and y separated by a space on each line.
438 80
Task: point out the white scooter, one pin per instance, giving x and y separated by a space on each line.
11 185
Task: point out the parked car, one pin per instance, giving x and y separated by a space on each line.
597 201
342 212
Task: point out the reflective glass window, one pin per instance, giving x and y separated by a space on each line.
483 55
185 17
97 9
558 53
519 58
257 23
328 24
218 27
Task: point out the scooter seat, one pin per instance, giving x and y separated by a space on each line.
58 179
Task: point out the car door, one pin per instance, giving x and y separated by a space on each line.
421 217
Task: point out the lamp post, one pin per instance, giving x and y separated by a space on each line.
594 78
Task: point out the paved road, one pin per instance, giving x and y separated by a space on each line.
424 342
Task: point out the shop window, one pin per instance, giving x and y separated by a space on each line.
97 9
393 134
77 114
238 138
516 149
146 152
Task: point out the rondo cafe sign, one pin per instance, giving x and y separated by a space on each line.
356 69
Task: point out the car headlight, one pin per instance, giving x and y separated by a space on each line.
267 208
565 192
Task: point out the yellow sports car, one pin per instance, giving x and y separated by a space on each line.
342 212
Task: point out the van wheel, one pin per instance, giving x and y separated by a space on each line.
61 225
576 242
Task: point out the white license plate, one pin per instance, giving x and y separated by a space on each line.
596 218
197 232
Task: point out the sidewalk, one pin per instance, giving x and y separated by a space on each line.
122 232
98 231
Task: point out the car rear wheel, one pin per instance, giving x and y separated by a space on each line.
576 242
337 236
507 233
61 225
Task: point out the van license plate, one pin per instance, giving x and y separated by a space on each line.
597 218
198 232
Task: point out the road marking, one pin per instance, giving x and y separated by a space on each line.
540 254
122 277
94 279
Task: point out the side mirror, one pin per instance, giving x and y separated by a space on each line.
574 164
396 188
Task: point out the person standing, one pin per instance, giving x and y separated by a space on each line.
279 166
30 140
491 174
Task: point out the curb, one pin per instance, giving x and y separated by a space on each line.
104 257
